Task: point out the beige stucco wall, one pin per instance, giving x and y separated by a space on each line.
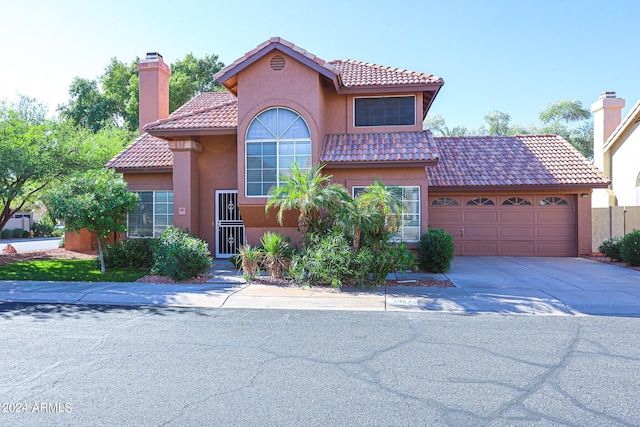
625 167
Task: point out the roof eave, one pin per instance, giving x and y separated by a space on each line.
627 122
168 133
160 169
370 89
512 188
359 164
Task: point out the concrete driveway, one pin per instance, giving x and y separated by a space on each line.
574 284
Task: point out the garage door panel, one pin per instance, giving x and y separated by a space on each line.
441 216
516 214
478 215
517 232
517 248
543 228
554 248
556 216
480 248
480 232
556 233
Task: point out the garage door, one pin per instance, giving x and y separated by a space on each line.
508 225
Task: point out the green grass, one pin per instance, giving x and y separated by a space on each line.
66 270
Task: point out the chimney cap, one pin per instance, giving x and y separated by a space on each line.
605 95
153 55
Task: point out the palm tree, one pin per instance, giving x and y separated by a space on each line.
310 192
381 208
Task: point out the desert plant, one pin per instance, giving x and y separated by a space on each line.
309 192
630 248
436 251
131 253
611 248
251 257
327 262
275 253
180 256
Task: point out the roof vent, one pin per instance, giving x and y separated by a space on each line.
604 95
277 62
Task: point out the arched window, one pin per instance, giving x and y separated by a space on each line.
553 201
444 201
276 138
516 201
480 201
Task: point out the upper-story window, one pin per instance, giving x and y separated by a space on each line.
276 138
385 111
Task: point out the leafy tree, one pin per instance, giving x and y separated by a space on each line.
36 152
97 200
438 126
113 97
498 122
309 192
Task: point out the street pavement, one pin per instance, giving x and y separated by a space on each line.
540 286
105 365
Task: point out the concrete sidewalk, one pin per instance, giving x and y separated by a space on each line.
475 293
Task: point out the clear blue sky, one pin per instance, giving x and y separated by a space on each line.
513 56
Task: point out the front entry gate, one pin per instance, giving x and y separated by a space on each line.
229 226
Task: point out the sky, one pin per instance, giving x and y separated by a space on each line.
510 56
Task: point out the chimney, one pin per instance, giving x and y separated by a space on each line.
154 89
607 114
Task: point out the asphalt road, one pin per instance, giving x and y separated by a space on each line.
99 365
35 244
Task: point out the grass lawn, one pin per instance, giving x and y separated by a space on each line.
66 270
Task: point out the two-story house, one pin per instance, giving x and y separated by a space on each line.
210 165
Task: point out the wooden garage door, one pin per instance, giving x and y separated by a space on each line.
509 225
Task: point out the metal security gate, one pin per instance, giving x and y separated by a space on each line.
229 226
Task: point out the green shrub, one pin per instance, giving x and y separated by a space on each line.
57 232
132 253
180 256
436 251
389 258
330 261
611 248
42 228
630 248
20 233
6 234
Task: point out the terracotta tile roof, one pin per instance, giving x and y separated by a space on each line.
145 152
210 110
267 46
407 147
205 100
511 160
356 73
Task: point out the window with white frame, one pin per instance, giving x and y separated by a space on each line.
409 229
385 111
153 214
276 138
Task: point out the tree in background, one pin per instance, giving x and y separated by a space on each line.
36 152
568 119
113 97
97 200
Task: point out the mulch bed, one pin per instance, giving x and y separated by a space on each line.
607 260
164 280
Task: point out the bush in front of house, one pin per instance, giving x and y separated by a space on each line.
42 228
131 253
6 234
611 248
20 233
180 256
435 251
630 248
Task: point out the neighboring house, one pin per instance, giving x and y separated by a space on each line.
210 165
22 220
616 151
